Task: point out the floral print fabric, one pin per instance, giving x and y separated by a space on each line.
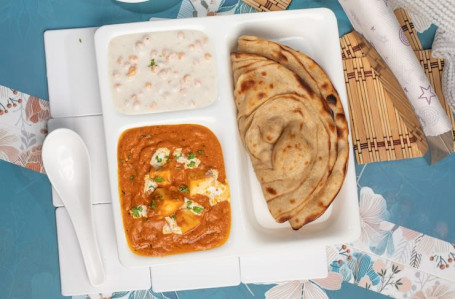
23 126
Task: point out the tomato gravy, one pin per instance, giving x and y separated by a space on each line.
173 189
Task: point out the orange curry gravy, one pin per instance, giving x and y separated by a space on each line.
173 189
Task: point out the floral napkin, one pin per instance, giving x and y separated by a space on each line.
23 126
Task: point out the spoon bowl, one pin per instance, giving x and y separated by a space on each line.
67 164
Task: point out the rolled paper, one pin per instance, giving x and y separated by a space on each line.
375 20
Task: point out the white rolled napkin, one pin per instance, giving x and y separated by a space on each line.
375 20
441 13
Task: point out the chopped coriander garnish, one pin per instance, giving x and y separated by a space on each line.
122 160
200 152
131 177
153 205
158 159
197 209
191 156
159 196
152 62
136 211
80 40
184 188
188 204
129 157
158 179
191 164
149 136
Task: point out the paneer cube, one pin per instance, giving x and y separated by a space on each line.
166 207
187 220
209 186
161 177
149 185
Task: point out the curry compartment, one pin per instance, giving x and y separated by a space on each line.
173 189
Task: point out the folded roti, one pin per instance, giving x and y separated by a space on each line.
314 84
288 140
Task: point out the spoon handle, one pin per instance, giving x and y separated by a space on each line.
84 229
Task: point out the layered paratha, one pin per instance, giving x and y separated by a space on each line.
270 81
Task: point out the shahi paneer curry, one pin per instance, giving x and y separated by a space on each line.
173 189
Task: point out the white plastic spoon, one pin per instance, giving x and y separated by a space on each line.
67 164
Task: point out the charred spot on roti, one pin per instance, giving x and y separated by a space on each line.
247 85
331 99
340 117
281 57
271 190
261 95
340 132
283 219
312 217
304 85
292 201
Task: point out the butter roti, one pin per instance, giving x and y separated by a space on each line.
293 73
286 137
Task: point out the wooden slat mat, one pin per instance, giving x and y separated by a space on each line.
378 132
268 5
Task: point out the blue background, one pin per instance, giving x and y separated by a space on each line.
418 196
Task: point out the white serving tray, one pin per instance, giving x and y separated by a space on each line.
253 230
308 263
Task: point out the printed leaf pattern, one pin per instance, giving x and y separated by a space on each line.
23 127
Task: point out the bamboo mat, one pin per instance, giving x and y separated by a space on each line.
268 5
377 130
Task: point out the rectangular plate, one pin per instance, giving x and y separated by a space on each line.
253 231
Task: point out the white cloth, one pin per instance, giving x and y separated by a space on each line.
375 20
441 13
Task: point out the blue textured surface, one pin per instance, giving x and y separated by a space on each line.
418 196
28 241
